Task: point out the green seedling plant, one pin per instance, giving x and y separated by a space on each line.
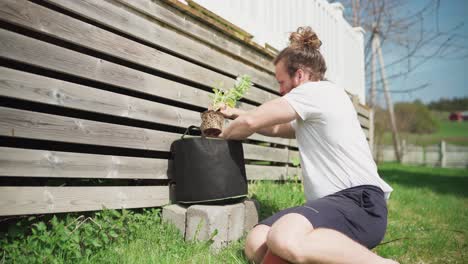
223 97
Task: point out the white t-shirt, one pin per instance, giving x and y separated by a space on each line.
334 151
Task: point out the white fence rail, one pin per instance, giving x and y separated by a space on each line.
441 155
271 21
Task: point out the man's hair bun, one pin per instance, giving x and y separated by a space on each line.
304 38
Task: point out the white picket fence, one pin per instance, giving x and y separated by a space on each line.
271 21
440 155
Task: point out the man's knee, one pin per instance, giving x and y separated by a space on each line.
255 243
286 236
285 246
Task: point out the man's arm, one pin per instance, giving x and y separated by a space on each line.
281 130
271 118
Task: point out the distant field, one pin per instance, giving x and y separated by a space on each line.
452 132
453 129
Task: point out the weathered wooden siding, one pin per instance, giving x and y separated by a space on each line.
98 90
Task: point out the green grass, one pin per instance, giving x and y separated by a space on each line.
161 243
428 217
451 129
428 214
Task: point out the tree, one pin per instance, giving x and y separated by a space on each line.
416 32
415 118
392 26
450 105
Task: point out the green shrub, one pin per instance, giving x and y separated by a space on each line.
412 117
415 118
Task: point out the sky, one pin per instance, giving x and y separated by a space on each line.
446 77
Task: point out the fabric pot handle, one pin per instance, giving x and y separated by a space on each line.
191 128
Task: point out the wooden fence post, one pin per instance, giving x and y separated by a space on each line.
443 161
424 160
403 150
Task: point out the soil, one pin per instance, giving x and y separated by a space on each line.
212 123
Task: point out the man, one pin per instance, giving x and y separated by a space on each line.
346 208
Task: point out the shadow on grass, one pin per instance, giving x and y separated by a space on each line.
438 181
267 207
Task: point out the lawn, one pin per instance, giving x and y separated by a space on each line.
428 216
452 129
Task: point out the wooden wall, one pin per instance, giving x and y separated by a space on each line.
93 93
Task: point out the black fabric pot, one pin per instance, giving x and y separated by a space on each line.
208 170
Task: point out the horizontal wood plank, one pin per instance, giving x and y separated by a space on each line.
362 110
293 142
15 162
187 25
43 200
31 51
26 124
275 173
364 122
25 86
32 87
243 54
58 25
366 132
255 152
276 140
455 148
293 156
295 173
261 172
36 88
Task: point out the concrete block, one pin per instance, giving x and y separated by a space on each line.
251 213
175 214
204 220
236 220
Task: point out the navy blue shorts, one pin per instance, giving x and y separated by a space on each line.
359 212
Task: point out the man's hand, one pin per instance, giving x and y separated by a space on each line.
271 118
229 112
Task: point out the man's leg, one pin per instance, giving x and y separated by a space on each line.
255 243
293 238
